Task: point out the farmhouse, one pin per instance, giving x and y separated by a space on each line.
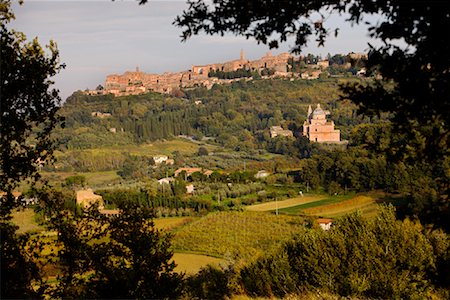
190 189
159 159
318 129
279 131
15 194
325 224
190 171
87 198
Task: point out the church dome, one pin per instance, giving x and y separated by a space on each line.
318 111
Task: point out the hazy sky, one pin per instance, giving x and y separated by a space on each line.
96 38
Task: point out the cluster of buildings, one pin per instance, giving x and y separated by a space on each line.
137 82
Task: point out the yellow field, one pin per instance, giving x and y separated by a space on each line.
191 263
366 204
268 206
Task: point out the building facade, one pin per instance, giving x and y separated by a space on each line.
318 129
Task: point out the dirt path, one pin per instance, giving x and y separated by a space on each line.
285 203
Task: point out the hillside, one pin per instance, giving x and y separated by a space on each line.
237 115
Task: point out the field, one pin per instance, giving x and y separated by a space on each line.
166 147
237 234
337 206
92 178
297 201
295 210
365 204
191 263
25 220
242 236
171 223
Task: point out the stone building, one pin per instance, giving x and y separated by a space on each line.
323 64
279 131
159 159
318 129
87 198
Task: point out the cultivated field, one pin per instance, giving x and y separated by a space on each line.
270 206
241 235
365 204
336 206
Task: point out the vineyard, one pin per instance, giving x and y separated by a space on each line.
241 235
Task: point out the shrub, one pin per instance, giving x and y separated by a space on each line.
381 258
209 283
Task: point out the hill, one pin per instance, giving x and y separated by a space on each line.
237 115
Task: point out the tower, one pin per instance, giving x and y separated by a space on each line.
242 55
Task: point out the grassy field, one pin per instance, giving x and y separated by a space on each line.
92 178
237 234
158 147
24 218
191 263
293 202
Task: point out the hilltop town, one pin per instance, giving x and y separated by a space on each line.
282 65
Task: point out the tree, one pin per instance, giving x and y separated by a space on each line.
358 258
28 114
28 106
415 80
112 258
138 256
202 151
75 181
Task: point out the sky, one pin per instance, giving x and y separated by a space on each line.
97 38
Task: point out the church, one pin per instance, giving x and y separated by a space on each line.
318 129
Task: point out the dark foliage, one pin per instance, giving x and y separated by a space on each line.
380 259
209 283
28 114
28 106
119 257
